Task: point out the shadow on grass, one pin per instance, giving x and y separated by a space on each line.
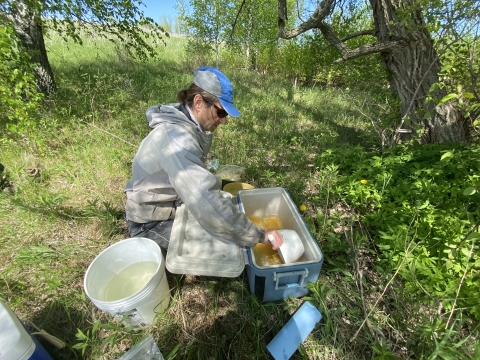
62 321
343 133
110 87
218 318
209 318
112 220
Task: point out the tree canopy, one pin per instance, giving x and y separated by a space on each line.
116 20
428 47
413 40
407 44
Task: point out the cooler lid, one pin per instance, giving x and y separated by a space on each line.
194 251
15 342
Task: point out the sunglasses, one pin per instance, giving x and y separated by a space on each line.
221 113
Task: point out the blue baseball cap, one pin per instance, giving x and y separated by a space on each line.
214 82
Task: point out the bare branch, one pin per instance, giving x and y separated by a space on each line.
347 53
363 50
332 37
320 13
298 13
357 34
236 17
316 22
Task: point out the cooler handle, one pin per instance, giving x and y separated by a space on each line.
277 276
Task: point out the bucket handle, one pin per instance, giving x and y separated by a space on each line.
277 276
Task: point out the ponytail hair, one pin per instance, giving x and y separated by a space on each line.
186 96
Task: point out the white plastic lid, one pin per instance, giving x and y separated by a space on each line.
15 342
194 251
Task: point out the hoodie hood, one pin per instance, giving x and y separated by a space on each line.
177 114
169 113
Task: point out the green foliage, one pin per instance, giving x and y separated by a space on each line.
382 352
166 23
247 30
35 253
108 212
435 340
112 20
74 209
206 23
121 20
422 204
199 53
466 101
253 32
319 295
87 340
456 40
18 96
310 57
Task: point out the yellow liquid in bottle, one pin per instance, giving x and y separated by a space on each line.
264 255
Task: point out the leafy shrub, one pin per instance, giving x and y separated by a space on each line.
233 59
422 204
200 53
18 95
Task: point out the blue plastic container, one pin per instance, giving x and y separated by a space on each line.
277 282
16 343
193 250
295 331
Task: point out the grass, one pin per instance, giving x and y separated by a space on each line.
56 222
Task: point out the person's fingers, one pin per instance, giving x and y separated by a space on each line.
278 240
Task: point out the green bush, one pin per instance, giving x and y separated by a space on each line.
18 95
422 204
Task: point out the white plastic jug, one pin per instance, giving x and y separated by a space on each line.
292 247
128 281
16 343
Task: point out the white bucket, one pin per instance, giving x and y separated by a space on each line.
128 281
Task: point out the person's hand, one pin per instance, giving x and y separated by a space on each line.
276 235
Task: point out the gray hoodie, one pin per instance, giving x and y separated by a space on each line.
169 168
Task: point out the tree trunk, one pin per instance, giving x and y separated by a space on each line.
30 33
414 68
217 47
407 51
248 41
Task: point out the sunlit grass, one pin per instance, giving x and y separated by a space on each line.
56 222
